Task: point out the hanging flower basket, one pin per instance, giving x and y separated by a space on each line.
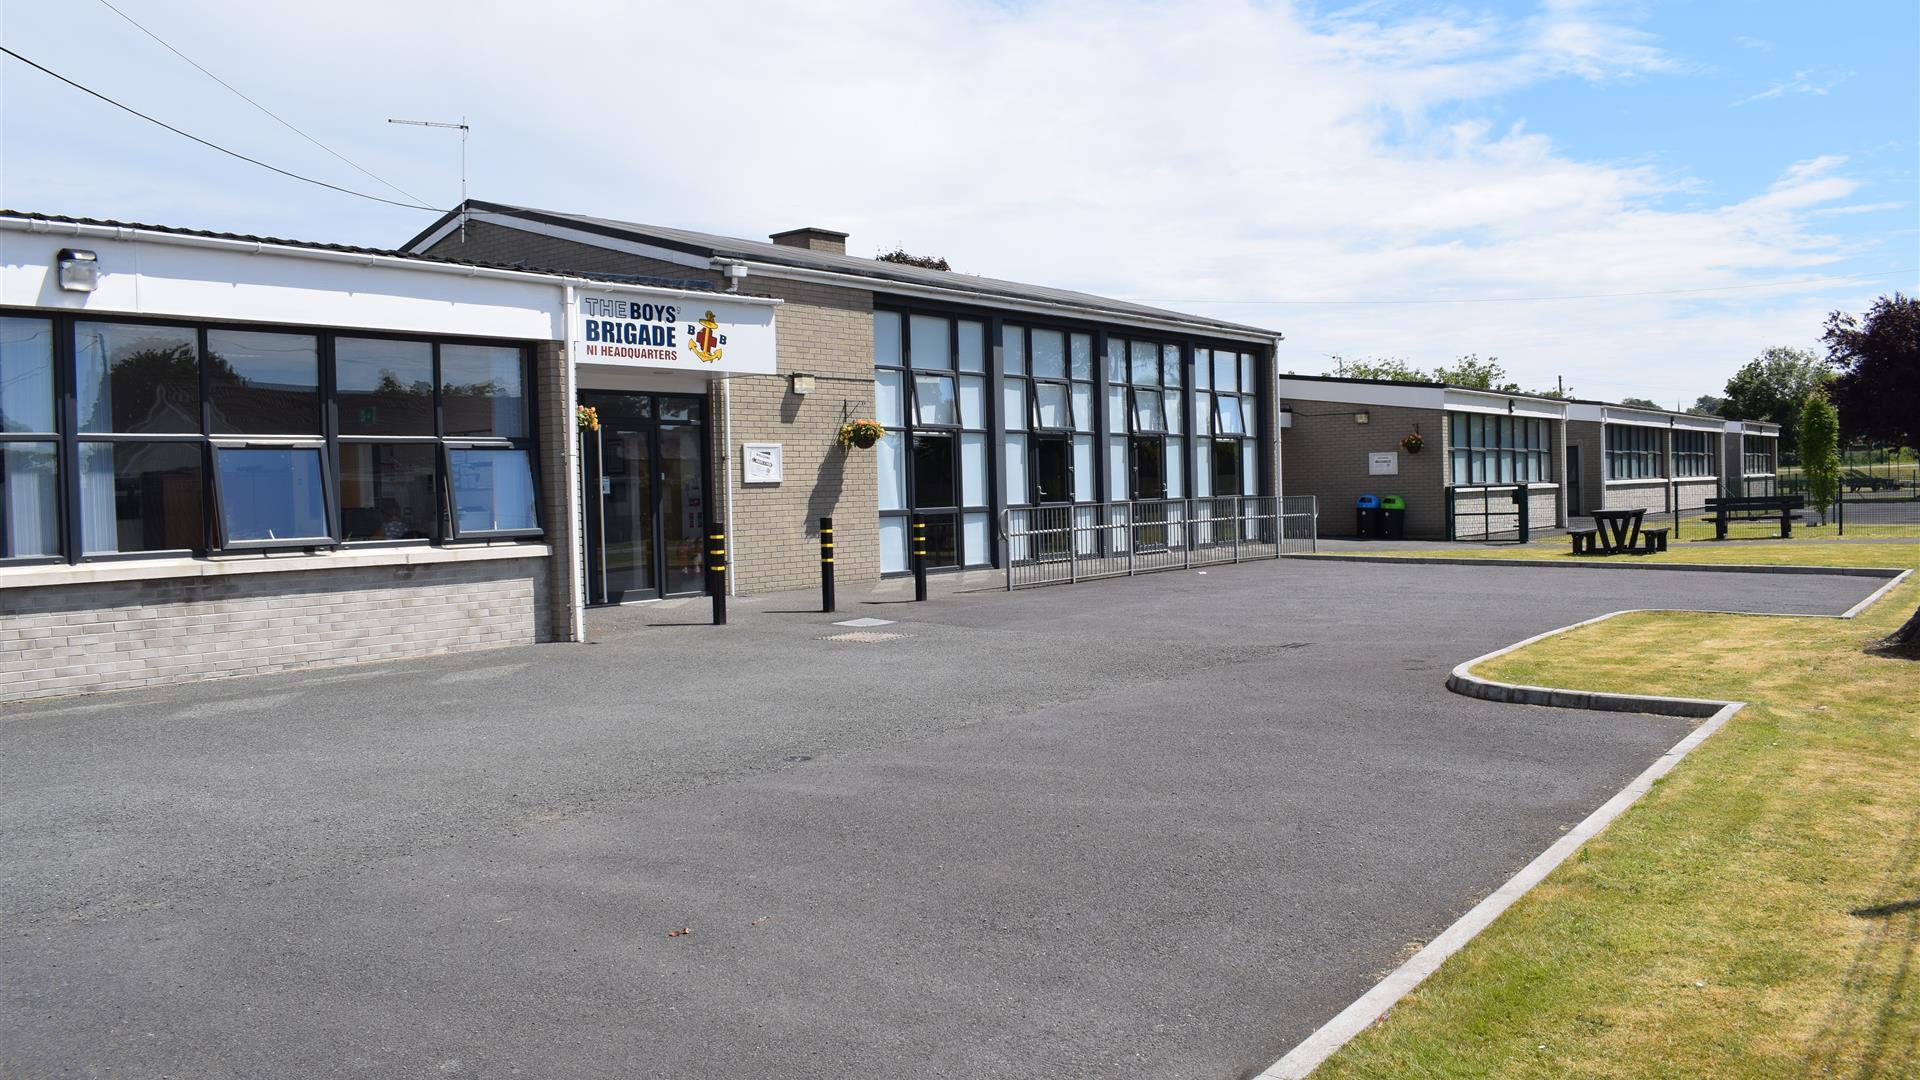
1412 443
861 433
586 417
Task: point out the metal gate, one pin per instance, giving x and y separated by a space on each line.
1055 545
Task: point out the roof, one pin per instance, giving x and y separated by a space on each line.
349 249
710 245
1424 384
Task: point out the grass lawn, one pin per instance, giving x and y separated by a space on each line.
1866 545
1757 914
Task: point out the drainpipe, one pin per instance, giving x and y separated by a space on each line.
726 466
576 516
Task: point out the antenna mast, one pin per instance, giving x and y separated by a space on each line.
462 128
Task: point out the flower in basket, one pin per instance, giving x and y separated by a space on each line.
861 433
586 417
1412 443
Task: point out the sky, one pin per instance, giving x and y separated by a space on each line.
1635 198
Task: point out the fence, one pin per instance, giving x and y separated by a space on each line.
1501 511
1056 545
1879 486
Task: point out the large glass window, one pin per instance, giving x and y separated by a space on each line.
1692 454
931 385
1499 449
142 496
481 391
271 494
492 491
383 387
1758 454
29 459
1633 453
137 380
263 384
387 491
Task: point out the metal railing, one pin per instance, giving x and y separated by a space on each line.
1057 545
1494 511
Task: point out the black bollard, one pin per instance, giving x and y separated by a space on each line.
919 560
717 571
826 564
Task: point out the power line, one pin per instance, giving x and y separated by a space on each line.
215 146
1529 299
243 97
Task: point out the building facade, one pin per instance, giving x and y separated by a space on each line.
1626 458
995 396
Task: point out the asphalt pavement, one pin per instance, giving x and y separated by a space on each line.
1160 827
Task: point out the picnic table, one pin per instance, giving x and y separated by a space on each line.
1618 532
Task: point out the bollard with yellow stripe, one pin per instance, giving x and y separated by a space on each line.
717 571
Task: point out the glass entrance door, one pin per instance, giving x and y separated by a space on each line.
645 478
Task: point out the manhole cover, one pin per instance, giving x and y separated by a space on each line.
865 636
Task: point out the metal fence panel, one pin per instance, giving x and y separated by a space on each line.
1056 545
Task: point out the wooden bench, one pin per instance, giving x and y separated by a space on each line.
1655 539
1585 541
1755 508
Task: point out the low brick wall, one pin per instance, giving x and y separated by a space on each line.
1693 494
1648 495
1470 523
89 636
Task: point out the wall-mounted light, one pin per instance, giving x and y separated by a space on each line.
802 384
79 270
1361 417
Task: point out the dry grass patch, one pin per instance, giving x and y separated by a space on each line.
1757 914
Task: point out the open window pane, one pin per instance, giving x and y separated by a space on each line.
26 375
482 391
141 497
933 399
386 491
1147 412
492 491
886 339
29 500
263 384
1050 405
383 387
137 379
927 344
270 494
1231 422
1049 354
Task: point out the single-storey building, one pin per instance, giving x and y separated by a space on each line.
1622 457
997 397
1751 449
1458 456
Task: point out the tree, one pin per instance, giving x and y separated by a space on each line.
1820 451
1640 402
906 258
1772 387
1474 373
1389 369
1708 405
1878 388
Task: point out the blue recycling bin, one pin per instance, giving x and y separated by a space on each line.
1368 508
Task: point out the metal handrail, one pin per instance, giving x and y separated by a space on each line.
1071 542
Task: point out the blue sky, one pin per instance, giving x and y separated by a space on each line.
1283 165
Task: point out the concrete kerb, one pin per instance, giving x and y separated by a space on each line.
1630 564
1367 1009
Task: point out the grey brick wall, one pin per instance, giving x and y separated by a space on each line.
1325 455
115 635
559 475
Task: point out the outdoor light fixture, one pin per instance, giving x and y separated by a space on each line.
79 270
802 384
1360 417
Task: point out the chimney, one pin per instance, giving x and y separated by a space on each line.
812 239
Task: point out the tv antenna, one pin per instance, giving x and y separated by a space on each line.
462 128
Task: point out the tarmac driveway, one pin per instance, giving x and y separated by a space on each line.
1152 828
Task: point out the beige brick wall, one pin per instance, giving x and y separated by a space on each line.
559 450
72 639
1325 455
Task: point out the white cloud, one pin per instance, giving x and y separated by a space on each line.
1202 151
1803 82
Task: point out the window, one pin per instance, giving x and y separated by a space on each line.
1758 454
1633 453
29 461
1692 454
930 388
193 439
1500 449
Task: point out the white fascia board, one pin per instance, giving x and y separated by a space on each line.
1491 402
1386 395
561 232
145 272
993 300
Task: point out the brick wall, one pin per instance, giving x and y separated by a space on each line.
1693 494
1326 456
115 635
559 480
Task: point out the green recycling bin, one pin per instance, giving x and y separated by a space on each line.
1393 518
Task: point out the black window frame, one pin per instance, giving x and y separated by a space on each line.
1479 443
1634 452
959 431
217 482
37 438
1693 457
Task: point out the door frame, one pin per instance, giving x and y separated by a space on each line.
593 518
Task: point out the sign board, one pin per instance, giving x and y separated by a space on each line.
1387 464
694 335
763 463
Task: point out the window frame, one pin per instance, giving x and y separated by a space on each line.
217 485
1480 446
453 533
1638 455
54 437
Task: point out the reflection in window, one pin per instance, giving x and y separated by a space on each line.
26 375
271 494
1049 354
933 397
29 500
481 391
263 384
386 491
1050 406
1231 421
137 379
933 469
927 342
141 496
1147 411
492 491
384 387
